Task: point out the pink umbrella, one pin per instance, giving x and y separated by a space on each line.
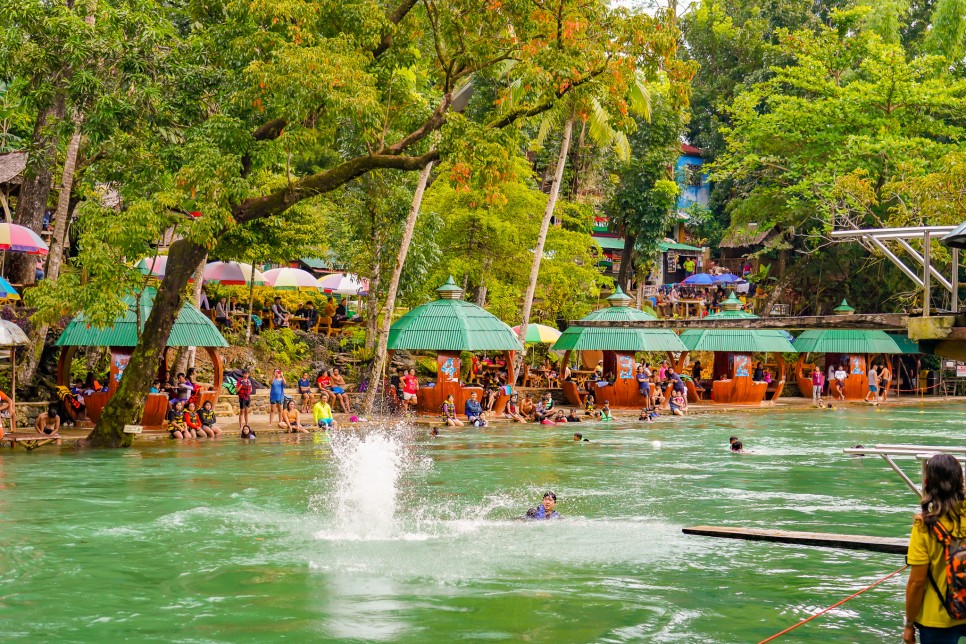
21 239
154 265
344 284
291 279
233 274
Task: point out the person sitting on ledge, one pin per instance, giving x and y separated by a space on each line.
474 411
322 412
448 411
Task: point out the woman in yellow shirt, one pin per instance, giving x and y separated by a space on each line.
943 503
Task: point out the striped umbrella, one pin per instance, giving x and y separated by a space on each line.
291 279
21 239
539 334
232 274
153 265
344 284
7 291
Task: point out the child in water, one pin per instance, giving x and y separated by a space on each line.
589 409
247 433
605 411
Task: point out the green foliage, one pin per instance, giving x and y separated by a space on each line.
646 197
488 243
823 140
284 347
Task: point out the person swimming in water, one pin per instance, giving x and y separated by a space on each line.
546 509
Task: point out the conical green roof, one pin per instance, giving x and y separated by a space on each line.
736 340
846 341
451 324
586 338
192 328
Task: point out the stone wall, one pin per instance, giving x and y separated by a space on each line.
27 412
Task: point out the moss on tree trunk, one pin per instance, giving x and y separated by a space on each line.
127 404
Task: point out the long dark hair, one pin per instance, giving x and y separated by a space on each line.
943 493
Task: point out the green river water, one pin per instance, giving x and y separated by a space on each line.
414 539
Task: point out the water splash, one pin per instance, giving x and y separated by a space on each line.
370 465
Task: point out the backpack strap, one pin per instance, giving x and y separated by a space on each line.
944 538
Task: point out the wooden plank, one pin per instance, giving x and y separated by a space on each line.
884 321
825 540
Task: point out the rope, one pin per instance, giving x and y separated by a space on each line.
835 605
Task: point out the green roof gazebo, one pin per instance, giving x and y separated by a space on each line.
191 329
854 348
449 326
618 345
733 349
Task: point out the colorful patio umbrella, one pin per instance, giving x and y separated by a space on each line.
539 334
232 274
21 239
154 265
344 284
725 278
699 279
7 291
291 279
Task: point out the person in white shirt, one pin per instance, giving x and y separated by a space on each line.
840 377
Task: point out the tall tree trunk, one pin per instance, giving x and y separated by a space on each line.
37 184
481 291
379 360
55 257
127 403
627 261
372 306
542 238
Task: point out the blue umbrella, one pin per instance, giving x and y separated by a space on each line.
7 291
699 279
726 278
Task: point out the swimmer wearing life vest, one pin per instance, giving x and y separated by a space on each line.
546 509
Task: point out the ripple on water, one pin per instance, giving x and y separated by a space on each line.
247 541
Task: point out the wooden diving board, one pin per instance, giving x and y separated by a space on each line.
891 545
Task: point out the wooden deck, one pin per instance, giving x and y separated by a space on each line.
890 545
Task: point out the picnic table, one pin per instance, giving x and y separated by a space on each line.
686 304
580 376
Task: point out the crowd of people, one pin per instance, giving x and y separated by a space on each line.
832 385
229 313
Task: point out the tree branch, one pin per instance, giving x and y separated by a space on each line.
317 184
543 106
433 123
394 18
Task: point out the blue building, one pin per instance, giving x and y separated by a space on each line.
691 178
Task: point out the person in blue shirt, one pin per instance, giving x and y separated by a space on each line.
276 396
546 509
679 385
474 411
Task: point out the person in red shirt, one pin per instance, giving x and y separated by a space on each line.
193 422
410 389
